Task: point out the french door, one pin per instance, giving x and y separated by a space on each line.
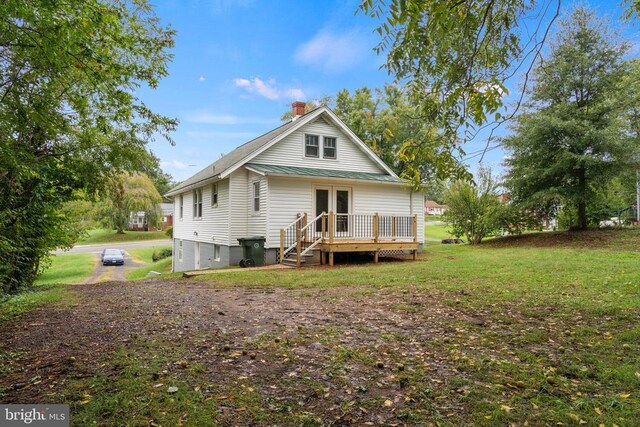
338 200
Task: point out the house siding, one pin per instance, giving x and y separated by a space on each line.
289 196
214 224
256 221
238 182
290 151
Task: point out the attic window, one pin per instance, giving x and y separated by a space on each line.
311 145
329 147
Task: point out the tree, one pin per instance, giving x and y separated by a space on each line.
455 57
474 209
69 114
161 180
386 120
130 193
569 142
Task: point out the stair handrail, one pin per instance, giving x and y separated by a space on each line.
318 240
285 251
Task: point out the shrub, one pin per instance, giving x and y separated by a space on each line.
161 254
169 232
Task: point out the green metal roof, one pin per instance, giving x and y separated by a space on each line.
323 173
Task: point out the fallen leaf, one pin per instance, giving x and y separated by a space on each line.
506 408
388 402
172 389
625 395
598 411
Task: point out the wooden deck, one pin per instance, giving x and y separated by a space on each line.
345 245
331 233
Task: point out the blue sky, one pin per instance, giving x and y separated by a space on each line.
238 65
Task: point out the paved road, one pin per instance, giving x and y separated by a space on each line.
125 246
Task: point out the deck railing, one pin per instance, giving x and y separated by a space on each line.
303 235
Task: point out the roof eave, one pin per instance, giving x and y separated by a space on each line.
193 185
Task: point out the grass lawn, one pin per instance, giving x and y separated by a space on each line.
145 255
68 269
539 329
100 235
51 286
437 231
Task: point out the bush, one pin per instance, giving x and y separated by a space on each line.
169 232
161 254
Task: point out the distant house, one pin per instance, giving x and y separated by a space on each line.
434 208
138 221
308 188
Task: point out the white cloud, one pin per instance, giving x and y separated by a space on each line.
270 89
334 52
201 79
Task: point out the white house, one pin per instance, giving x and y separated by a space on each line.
308 186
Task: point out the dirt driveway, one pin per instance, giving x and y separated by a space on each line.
116 273
335 355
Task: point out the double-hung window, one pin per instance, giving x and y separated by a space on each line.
181 208
214 195
329 147
311 145
256 196
197 203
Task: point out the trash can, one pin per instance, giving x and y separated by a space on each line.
252 251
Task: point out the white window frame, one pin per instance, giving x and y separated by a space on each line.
306 144
216 253
197 203
335 147
256 197
214 195
180 250
181 208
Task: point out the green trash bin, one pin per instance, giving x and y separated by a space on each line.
252 251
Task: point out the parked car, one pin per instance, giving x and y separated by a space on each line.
112 257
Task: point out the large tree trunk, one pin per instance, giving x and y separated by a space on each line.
582 199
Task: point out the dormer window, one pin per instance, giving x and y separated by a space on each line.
329 148
311 145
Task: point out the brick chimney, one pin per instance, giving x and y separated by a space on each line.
298 109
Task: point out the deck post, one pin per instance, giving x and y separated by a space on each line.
281 245
393 227
298 243
304 225
332 217
324 225
415 235
376 229
375 257
331 259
